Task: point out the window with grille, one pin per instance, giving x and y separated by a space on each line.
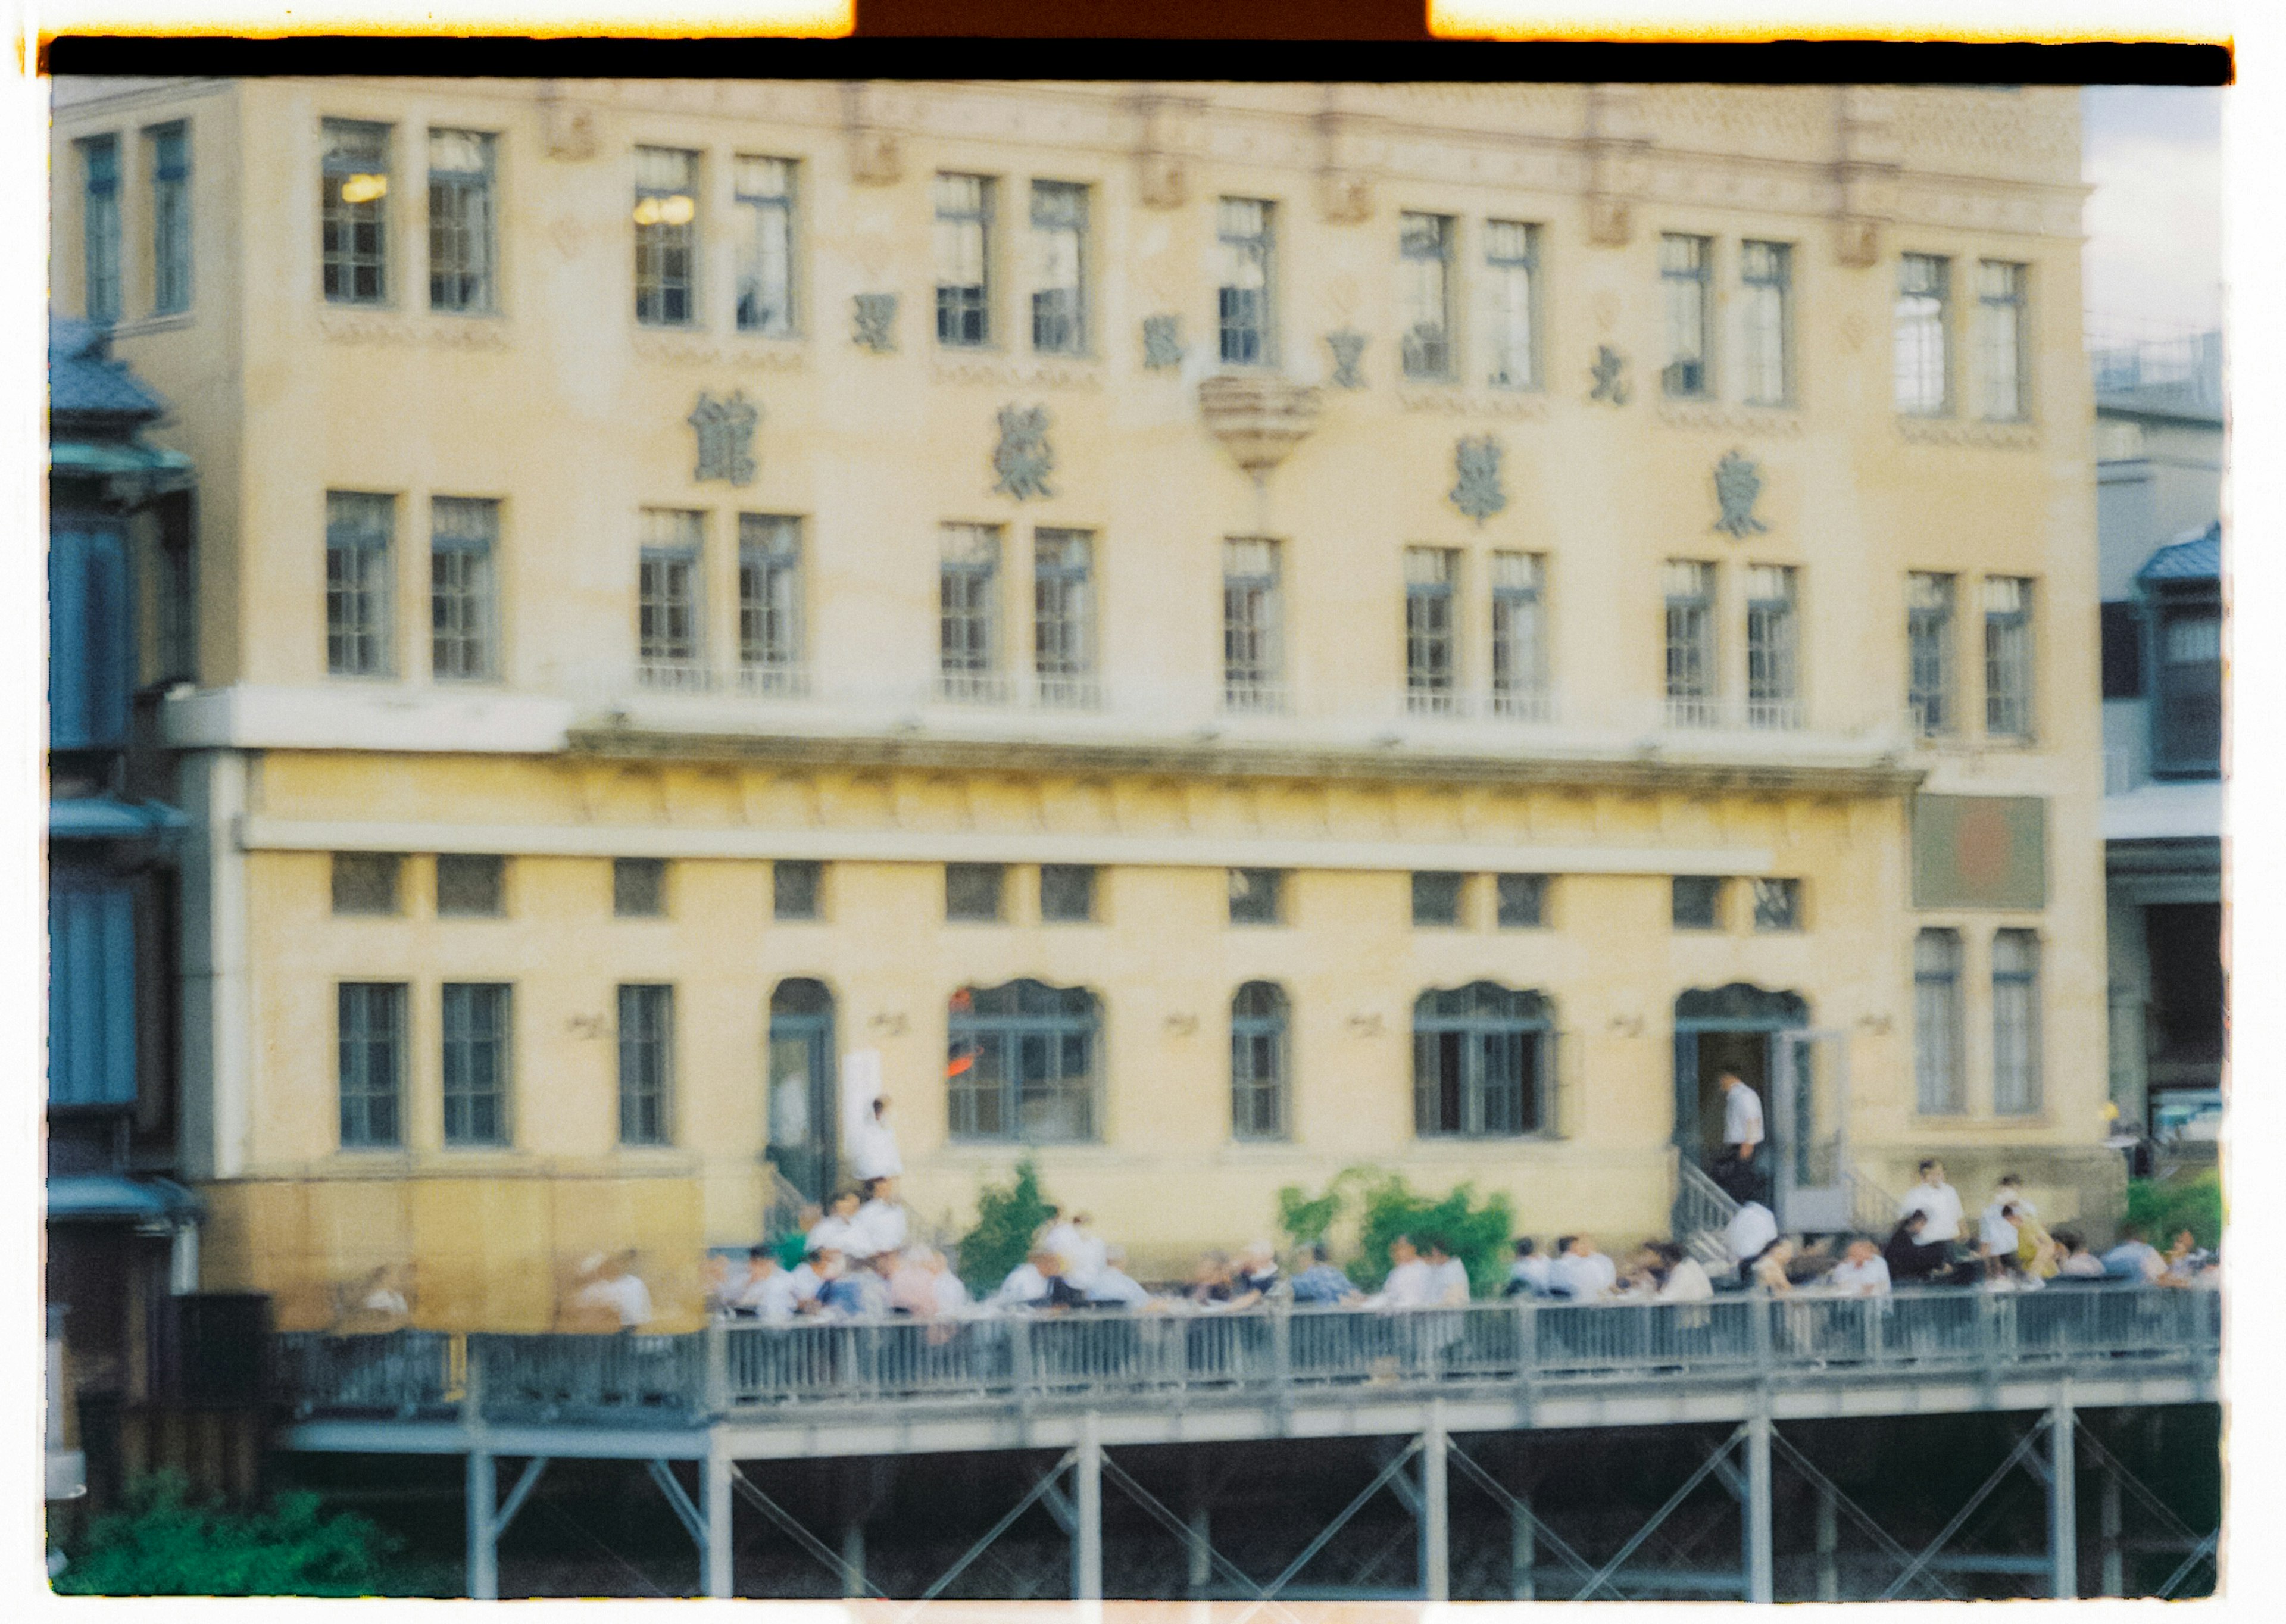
2000 347
1520 901
1067 893
1481 1062
1255 896
1929 650
1777 904
1923 322
366 881
646 1064
1063 617
1697 902
964 259
1690 667
1258 1107
1520 635
770 603
762 203
2007 656
1431 652
1766 321
668 646
2015 1022
179 587
1059 268
666 236
475 1028
1243 236
460 231
462 533
1424 293
968 614
797 890
1253 665
1686 280
1773 660
98 158
1512 275
973 891
360 575
1938 1083
1020 1063
354 212
470 887
370 1063
1437 899
2187 700
169 147
639 888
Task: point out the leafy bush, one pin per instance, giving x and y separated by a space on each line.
1476 1234
2184 1201
1008 1218
162 1542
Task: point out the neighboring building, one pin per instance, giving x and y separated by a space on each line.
2159 460
1220 632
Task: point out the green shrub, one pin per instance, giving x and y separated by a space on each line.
162 1542
2183 1201
1476 1234
1008 1218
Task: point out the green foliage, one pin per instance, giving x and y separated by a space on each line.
2183 1201
1307 1220
1008 1218
1476 1232
162 1542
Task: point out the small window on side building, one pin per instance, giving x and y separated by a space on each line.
1067 893
1777 904
639 888
365 882
973 892
1522 901
1697 902
470 887
797 890
1255 897
1437 899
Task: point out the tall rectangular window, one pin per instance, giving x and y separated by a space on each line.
475 1027
1059 268
1929 651
170 218
1686 280
646 1064
370 1063
666 236
769 604
1432 654
1253 663
964 259
359 569
1923 321
1512 271
99 159
1063 617
2007 656
460 222
2015 1022
463 533
1243 237
1766 289
1939 1085
1424 293
2000 347
1692 693
2187 697
1521 635
354 212
669 642
1259 1062
968 614
1773 659
762 198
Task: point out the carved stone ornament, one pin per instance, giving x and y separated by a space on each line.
1738 485
1162 341
1260 417
726 437
876 155
1023 459
1476 492
877 321
1610 374
1349 350
567 129
1346 196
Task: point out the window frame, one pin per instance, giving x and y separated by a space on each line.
1931 629
1540 888
1272 882
1062 915
472 621
753 214
1261 1098
341 258
2009 312
1774 646
1693 643
2178 689
772 612
1246 333
1019 1036
970 634
2017 1082
390 863
464 207
622 869
102 239
977 872
1440 878
1064 618
964 310
1502 274
1688 297
1253 626
1428 352
658 240
647 1008
1770 919
2010 685
782 870
172 288
1079 339
498 910
1935 1094
673 540
1766 297
1475 1030
499 1091
1911 331
1718 894
1432 630
370 588
356 1087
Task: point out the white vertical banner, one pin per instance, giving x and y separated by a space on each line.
861 1085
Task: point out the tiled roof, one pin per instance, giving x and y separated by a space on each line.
2197 556
85 380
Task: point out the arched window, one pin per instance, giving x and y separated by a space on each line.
1258 1062
1482 1063
1020 1063
804 1143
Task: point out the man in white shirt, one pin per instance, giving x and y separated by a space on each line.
1112 1283
1579 1271
1993 1228
804 1283
1527 1276
1742 1136
1449 1277
1752 1227
622 1290
1411 1283
879 1225
1938 1202
873 1150
838 1230
1074 1241
1861 1272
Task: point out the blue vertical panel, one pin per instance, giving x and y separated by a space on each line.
89 640
91 992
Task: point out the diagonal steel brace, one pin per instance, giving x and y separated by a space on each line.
1601 1578
801 1536
2017 1456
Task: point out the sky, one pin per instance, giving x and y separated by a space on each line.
2153 263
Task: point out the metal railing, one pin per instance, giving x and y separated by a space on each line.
1700 1203
774 679
678 676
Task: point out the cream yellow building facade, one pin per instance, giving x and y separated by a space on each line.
767 518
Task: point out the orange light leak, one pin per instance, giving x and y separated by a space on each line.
468 20
1728 22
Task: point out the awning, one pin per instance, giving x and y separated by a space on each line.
2195 557
107 817
99 458
120 1195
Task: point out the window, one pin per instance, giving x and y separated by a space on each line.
639 888
98 158
667 621
964 259
1252 660
769 604
475 1022
1766 279
1924 360
354 213
366 881
1928 648
973 892
2123 649
1773 676
762 216
666 236
2015 1022
797 890
1519 636
179 589
2007 656
1424 293
968 614
1243 233
646 1063
2000 347
1059 268
1521 901
1067 893
470 887
1019 1063
1431 656
2187 709
461 231
461 535
1777 904
1255 897
370 1047
1480 1062
1063 617
170 218
1690 667
1697 902
1437 900
1258 1062
358 574
1936 1023
1512 270
1686 277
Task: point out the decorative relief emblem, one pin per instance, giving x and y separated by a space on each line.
1477 492
1610 374
1349 350
726 437
1162 342
1737 483
1022 458
877 321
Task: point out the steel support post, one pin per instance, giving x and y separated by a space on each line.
1436 1531
1760 1580
853 1559
2063 1502
2115 1567
1829 1577
1202 1554
1087 1507
483 1537
1522 1549
715 1509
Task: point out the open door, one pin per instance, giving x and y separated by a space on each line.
1810 1085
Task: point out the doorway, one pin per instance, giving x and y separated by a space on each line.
804 1141
1729 1029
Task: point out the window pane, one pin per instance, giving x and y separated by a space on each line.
476 1038
1936 1022
770 600
1067 893
1928 636
1766 278
1523 901
666 236
797 889
964 218
1242 301
359 574
1773 696
1063 631
1691 665
638 887
1432 657
968 617
460 253
462 536
2015 1022
972 890
1685 274
354 212
2008 658
1437 899
763 220
1511 265
1777 904
1254 896
100 163
1519 636
1697 902
1424 293
1257 1061
1479 1061
646 1063
170 218
1020 1063
470 886
370 1038
668 620
2000 337
1924 370
366 881
1253 666
1059 264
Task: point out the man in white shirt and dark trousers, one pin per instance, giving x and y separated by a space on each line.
1742 1135
1938 1202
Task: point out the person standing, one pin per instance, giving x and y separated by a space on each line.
1411 1283
874 1154
1323 1282
879 1226
1742 1136
619 1290
1527 1276
1938 1202
1580 1271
